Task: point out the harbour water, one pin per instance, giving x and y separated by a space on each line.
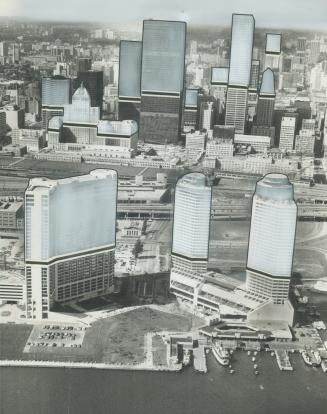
70 391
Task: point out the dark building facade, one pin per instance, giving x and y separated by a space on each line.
93 82
129 83
162 81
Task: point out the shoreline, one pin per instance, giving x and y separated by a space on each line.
89 365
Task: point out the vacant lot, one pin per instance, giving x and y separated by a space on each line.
119 339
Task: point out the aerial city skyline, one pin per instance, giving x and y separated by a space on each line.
163 203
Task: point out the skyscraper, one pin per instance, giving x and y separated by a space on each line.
70 235
129 83
162 80
266 101
56 92
239 70
93 82
272 50
84 64
271 249
272 239
191 223
190 115
287 133
218 89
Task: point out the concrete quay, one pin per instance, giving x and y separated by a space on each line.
93 365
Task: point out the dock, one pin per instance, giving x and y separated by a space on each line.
200 361
283 360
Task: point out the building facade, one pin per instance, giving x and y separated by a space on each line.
69 256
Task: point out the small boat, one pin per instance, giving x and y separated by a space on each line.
255 353
249 353
311 358
272 353
253 359
255 366
231 371
221 354
256 372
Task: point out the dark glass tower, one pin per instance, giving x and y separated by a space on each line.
266 102
129 83
162 80
93 82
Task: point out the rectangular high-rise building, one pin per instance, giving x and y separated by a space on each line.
129 82
93 82
162 80
56 93
287 133
70 235
239 70
272 50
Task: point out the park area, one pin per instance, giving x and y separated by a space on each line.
119 339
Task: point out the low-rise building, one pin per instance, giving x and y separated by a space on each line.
11 215
12 288
259 143
34 139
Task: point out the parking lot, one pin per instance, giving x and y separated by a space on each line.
56 336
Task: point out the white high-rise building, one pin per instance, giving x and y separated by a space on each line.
191 223
70 236
239 70
287 133
272 239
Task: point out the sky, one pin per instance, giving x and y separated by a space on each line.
298 14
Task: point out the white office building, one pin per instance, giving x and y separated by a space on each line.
239 70
272 238
70 234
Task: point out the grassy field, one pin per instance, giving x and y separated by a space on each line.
119 339
13 339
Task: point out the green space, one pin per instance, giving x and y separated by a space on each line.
159 351
13 338
113 340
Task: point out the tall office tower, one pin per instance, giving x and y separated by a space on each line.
191 224
218 89
287 133
272 238
129 81
3 49
253 90
190 115
84 64
70 236
303 107
266 101
305 142
301 44
279 113
15 53
255 73
239 71
207 115
314 50
162 80
56 92
273 50
93 82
